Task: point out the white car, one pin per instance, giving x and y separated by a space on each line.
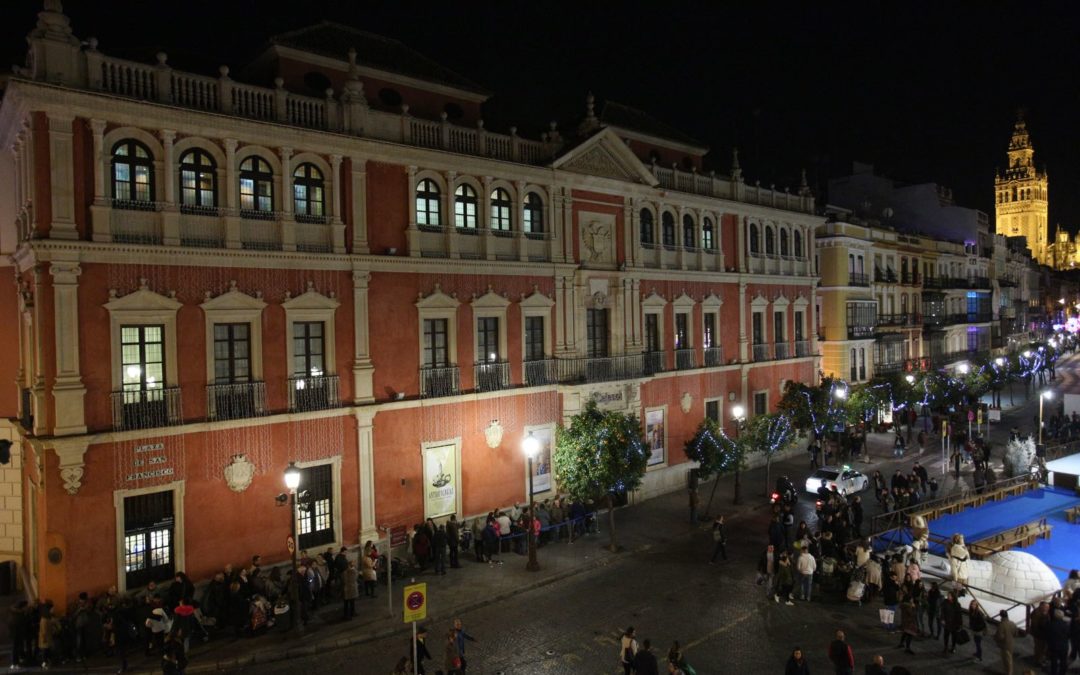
847 480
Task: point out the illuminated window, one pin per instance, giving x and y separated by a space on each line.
308 193
132 174
428 204
256 187
198 180
465 204
533 214
500 210
315 515
707 235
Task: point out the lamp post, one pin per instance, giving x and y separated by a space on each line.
841 394
1044 396
531 447
292 482
738 413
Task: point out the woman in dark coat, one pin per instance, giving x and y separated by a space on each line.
952 620
796 664
909 623
491 541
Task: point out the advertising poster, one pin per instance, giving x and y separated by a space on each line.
654 435
440 480
542 465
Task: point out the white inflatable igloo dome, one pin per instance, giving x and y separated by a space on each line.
1021 576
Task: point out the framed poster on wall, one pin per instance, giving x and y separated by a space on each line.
655 435
441 479
542 480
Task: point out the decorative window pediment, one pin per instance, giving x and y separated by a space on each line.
437 300
536 301
712 302
654 301
233 300
759 302
490 300
683 302
800 302
606 155
781 302
141 301
310 299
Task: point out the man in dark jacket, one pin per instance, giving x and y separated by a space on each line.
438 546
645 660
843 659
952 620
453 538
877 666
1057 643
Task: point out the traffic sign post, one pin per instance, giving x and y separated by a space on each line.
414 608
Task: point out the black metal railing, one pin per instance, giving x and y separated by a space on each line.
762 352
654 362
781 350
685 359
539 372
714 356
145 408
491 376
860 332
439 381
600 368
313 392
858 279
235 401
802 348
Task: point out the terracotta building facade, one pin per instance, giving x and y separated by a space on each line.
211 279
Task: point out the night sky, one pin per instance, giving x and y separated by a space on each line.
926 92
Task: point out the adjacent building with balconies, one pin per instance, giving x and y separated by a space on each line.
334 263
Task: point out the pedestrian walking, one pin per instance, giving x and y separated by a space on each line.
720 537
451 656
645 661
421 650
796 663
367 571
628 649
1004 637
767 570
841 655
462 637
785 580
815 454
977 626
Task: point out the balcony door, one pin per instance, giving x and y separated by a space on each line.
142 353
232 371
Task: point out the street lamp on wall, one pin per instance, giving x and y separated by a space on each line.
738 414
531 447
292 482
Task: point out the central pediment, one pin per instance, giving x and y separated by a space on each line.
606 156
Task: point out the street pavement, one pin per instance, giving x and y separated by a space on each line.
567 617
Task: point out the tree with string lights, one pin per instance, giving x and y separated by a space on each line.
601 453
769 435
716 453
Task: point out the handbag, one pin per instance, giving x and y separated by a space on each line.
962 637
886 616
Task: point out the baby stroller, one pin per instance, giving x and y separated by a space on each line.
260 615
857 586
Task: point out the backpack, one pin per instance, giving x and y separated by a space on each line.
628 655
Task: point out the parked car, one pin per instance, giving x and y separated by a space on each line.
847 480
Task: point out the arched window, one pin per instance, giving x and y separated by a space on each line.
132 174
667 225
465 207
688 238
198 180
646 224
428 204
256 186
797 237
770 241
308 194
784 251
707 241
755 247
500 210
532 216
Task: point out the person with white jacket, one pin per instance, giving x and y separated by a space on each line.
958 559
806 566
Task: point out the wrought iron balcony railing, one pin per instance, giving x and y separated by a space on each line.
313 392
235 400
145 408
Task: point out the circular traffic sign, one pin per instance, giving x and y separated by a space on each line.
415 600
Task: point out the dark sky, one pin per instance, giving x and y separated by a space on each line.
925 91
